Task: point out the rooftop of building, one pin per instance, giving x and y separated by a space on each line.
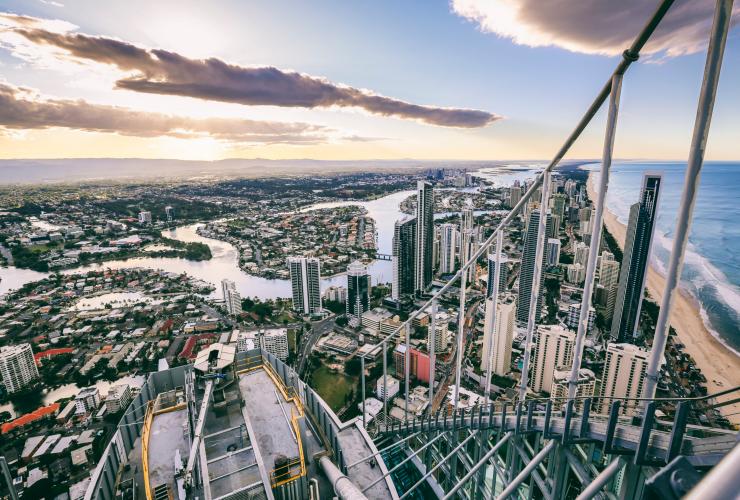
253 426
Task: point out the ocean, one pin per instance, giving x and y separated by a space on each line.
711 270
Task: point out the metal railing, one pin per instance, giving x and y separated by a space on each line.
611 90
538 432
293 468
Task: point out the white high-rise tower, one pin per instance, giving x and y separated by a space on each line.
305 279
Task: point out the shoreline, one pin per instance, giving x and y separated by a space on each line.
716 361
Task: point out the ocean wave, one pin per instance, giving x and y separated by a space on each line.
704 274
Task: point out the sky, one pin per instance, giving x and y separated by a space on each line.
427 79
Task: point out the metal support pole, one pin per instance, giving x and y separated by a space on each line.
396 443
477 466
439 464
534 297
362 371
606 163
406 367
431 340
385 384
400 464
717 41
532 465
594 487
8 478
489 343
722 481
460 337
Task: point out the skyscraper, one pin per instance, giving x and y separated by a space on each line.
526 275
448 248
404 258
557 203
305 279
468 240
609 280
637 245
358 289
17 367
553 350
553 251
232 299
424 235
503 275
623 376
501 329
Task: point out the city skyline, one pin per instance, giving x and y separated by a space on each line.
105 83
401 328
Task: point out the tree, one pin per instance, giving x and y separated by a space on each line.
341 321
262 309
353 366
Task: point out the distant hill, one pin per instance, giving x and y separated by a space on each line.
120 169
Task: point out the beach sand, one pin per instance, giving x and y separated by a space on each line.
719 364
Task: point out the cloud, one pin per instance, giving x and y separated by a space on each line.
157 71
23 109
605 27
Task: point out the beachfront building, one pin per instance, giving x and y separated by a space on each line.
17 367
623 376
305 280
553 350
638 243
585 387
609 280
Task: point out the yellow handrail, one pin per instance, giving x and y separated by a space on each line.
286 473
149 416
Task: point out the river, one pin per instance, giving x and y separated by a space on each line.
224 262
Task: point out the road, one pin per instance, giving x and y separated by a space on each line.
449 378
318 328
